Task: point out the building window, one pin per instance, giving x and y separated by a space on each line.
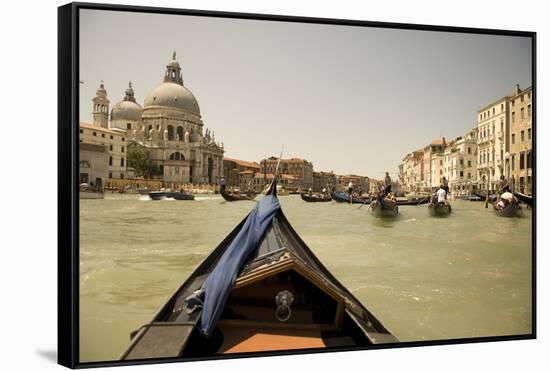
469 163
122 149
493 111
513 102
121 175
95 134
170 132
469 151
501 107
110 160
529 133
110 175
122 162
103 135
469 175
123 139
440 162
529 110
111 137
522 160
180 133
81 131
521 98
128 126
513 162
529 160
522 135
461 162
462 174
513 117
522 112
513 138
110 147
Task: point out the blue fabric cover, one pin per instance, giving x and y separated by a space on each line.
217 287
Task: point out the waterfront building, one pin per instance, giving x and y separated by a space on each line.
413 171
300 169
261 180
463 164
324 179
233 168
169 128
94 164
113 141
359 182
435 148
518 162
492 138
436 175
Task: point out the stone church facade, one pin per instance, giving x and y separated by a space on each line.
169 128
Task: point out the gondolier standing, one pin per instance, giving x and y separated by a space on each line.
350 191
445 185
387 184
503 185
222 183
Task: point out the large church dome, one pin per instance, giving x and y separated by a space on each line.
169 94
127 109
172 93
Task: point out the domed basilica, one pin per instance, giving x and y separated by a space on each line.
168 127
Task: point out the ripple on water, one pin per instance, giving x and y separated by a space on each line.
424 278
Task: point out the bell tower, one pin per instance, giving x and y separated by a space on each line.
100 110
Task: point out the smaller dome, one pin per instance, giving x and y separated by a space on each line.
126 110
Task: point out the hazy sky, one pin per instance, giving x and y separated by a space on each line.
349 99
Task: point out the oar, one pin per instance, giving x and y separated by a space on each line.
363 204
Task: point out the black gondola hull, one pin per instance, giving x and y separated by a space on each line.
439 209
308 198
234 197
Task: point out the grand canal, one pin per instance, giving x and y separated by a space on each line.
467 275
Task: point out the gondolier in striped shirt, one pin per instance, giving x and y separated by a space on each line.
503 185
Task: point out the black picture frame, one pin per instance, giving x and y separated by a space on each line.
68 199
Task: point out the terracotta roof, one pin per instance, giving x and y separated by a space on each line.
247 172
242 163
438 142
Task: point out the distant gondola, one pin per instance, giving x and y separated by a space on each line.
437 209
315 197
159 195
510 210
383 208
528 200
231 196
471 198
261 289
344 197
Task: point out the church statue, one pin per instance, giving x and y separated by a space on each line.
186 136
165 134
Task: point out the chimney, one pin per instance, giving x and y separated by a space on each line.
518 90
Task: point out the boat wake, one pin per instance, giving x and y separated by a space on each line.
206 198
144 198
410 220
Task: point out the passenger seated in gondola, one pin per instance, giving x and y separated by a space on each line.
504 200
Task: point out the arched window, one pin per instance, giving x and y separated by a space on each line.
180 132
84 164
177 156
170 132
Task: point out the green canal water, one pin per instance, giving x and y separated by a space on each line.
468 275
